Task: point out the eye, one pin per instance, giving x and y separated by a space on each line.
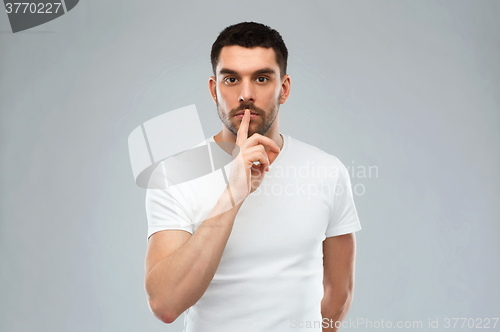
230 80
262 79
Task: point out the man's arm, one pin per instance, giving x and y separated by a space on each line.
180 266
339 253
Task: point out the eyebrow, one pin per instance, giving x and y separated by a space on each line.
224 71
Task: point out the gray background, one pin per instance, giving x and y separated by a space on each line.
412 87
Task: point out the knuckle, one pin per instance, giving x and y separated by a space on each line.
257 136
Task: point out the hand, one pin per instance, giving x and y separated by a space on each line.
246 176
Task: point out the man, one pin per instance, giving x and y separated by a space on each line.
271 248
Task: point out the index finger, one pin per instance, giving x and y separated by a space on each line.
242 134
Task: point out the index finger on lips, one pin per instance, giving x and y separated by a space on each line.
242 134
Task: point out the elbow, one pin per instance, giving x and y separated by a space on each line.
165 314
337 303
161 307
166 304
339 294
345 297
168 318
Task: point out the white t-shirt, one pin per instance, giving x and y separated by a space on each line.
271 272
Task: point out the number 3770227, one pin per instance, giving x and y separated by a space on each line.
32 8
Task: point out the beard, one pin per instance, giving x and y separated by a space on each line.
260 125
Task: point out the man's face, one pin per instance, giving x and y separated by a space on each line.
247 78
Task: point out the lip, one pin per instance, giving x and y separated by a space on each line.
252 115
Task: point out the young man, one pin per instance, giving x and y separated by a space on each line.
271 247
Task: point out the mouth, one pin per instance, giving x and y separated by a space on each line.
241 114
252 113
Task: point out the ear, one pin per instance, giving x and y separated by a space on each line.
285 89
212 86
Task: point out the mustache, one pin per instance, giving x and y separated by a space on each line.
247 105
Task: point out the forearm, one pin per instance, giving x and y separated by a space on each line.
334 308
179 280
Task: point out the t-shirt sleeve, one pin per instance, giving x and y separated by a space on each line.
165 212
343 217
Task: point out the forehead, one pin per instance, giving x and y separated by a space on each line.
242 59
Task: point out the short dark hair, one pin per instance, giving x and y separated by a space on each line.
249 35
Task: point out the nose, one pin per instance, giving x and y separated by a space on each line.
246 92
